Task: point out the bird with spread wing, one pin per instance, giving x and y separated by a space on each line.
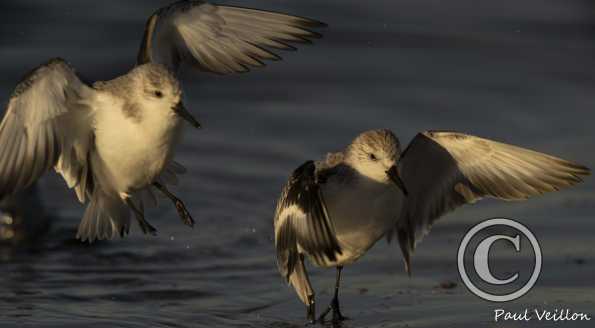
113 142
334 210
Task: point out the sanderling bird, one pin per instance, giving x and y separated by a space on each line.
113 141
334 210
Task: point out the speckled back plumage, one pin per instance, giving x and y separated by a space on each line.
382 139
156 74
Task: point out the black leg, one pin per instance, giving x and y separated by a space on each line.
180 207
146 227
334 306
311 310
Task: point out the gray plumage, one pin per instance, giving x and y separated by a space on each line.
372 190
54 120
39 114
444 170
113 142
220 39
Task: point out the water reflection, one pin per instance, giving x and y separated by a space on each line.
23 219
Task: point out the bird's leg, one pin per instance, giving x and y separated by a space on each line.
334 306
311 310
140 218
180 207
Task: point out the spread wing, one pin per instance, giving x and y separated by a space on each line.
42 128
219 39
444 170
302 219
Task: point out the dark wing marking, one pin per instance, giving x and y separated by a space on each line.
220 39
302 219
444 170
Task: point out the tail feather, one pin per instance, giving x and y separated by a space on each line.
105 218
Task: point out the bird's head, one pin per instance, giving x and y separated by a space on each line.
158 90
375 154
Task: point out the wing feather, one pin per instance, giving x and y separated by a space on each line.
220 39
302 222
444 170
38 119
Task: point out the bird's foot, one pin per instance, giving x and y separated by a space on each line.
337 315
184 214
147 228
180 207
311 312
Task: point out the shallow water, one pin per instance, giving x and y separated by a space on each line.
520 72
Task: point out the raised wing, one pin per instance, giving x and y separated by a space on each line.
444 170
302 219
42 128
219 39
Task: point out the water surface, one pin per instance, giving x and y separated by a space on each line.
520 72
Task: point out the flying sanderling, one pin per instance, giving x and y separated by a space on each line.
333 211
113 141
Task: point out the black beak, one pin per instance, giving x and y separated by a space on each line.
393 174
181 110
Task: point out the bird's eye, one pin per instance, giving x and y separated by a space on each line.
158 94
373 157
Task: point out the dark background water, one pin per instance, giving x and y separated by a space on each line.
517 71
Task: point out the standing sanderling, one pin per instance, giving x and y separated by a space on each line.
333 211
113 141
